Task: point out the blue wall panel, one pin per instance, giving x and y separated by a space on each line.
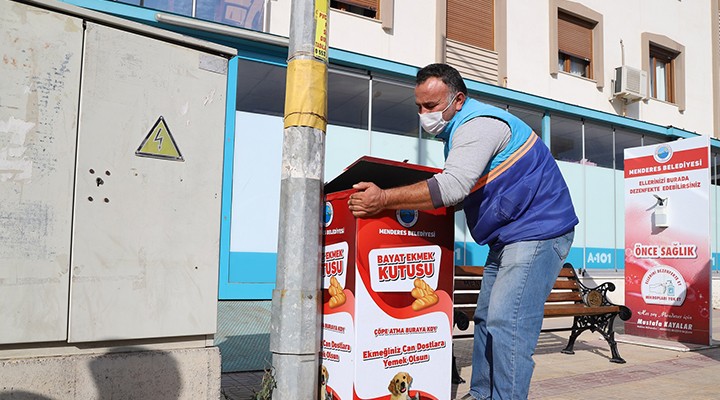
224 291
246 267
600 258
250 276
575 257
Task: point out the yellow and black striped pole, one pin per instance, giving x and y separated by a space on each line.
297 298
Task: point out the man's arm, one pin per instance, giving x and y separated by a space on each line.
370 199
475 143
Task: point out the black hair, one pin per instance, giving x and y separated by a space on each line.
449 75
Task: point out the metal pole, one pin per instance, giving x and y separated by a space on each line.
296 301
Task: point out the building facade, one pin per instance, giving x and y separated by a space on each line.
590 77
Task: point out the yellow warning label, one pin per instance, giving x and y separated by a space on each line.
159 143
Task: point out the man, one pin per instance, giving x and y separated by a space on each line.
515 201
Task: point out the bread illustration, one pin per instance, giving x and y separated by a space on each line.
424 295
337 296
421 289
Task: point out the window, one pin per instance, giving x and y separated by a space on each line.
662 73
566 139
366 8
249 14
260 88
531 117
624 140
714 168
471 22
716 71
485 100
575 42
664 61
471 44
181 7
348 99
649 140
599 145
393 108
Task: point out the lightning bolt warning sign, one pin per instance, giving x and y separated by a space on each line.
159 143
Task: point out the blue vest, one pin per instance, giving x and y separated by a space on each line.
521 195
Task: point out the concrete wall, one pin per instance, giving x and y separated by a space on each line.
411 40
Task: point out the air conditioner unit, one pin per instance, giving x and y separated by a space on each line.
630 83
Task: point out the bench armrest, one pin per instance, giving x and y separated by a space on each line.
597 296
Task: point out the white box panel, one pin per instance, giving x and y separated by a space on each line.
39 92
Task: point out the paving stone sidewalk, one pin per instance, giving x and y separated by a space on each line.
654 370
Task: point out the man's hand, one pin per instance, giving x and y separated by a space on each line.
367 201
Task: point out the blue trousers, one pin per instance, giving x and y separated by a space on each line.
517 279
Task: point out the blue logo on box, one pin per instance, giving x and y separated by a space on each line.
407 218
328 213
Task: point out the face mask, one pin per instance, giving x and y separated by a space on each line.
433 122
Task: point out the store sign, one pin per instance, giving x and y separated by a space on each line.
667 240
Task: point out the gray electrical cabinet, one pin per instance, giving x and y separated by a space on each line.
39 93
111 145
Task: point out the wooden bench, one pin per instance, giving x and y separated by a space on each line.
590 307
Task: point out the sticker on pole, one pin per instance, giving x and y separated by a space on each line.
159 143
321 22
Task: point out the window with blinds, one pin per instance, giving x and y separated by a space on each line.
662 73
575 45
472 22
366 8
